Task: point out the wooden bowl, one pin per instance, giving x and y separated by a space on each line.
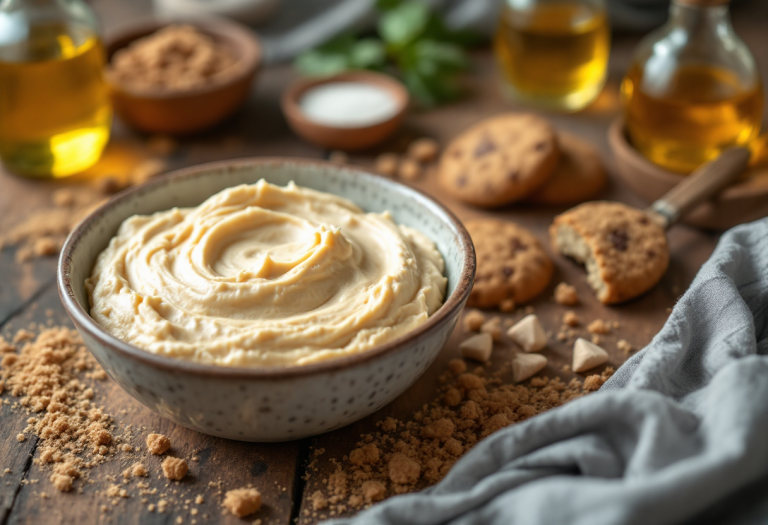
186 112
343 138
745 201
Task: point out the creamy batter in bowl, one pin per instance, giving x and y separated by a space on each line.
264 275
281 401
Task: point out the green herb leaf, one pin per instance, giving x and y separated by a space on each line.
386 5
440 56
404 23
316 63
368 53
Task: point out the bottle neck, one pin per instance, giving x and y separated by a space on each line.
700 21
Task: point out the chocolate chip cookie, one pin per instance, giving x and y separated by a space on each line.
579 174
511 263
624 251
500 160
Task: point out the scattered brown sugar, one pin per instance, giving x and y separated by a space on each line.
158 444
405 456
571 319
566 295
45 375
473 320
242 502
175 58
423 150
598 326
42 232
174 468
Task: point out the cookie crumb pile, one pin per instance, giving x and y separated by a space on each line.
242 502
405 456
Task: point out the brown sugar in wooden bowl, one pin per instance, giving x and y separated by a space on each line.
745 201
340 137
182 112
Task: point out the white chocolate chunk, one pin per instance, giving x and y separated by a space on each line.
528 333
477 347
587 355
526 365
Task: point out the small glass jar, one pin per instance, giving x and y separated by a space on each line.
693 88
553 53
54 105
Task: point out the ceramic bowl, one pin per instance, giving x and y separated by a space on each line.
268 404
343 138
186 112
745 201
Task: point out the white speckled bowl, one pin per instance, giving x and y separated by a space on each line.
273 404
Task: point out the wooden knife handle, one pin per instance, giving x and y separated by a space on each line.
699 186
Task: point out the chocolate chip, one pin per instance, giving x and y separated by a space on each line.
461 181
513 175
650 254
506 270
619 239
485 146
517 246
643 220
540 146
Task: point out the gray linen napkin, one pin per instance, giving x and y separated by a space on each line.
682 425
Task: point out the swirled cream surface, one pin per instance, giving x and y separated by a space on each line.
263 276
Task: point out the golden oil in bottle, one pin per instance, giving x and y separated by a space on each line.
553 54
699 111
54 107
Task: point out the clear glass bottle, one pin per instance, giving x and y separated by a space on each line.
693 88
54 105
553 53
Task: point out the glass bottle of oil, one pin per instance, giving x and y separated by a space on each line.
553 53
693 89
54 107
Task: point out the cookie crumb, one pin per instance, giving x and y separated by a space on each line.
571 319
242 502
598 326
473 320
492 327
409 170
403 470
423 150
338 157
624 346
566 294
593 382
138 470
507 305
387 164
174 468
158 444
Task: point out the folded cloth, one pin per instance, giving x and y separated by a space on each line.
682 425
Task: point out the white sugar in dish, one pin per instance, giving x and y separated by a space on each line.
348 104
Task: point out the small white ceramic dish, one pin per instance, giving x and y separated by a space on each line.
272 404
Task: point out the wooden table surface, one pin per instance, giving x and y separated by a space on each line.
28 294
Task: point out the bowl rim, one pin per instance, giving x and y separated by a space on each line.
83 320
289 101
247 42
